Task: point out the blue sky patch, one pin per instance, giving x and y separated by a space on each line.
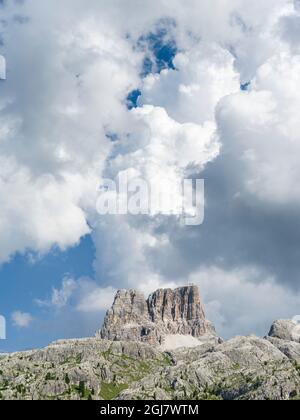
160 49
245 86
26 280
132 99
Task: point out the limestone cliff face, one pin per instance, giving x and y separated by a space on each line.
123 321
165 312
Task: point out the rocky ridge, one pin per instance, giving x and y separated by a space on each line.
244 368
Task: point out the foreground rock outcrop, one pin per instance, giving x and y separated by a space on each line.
165 312
285 330
244 368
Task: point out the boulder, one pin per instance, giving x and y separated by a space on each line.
287 330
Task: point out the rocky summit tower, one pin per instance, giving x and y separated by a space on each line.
165 313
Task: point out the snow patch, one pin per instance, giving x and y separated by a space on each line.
172 342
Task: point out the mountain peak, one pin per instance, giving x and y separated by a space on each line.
165 312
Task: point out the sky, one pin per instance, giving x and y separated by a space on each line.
164 89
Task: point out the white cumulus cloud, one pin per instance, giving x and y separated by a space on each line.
70 67
21 319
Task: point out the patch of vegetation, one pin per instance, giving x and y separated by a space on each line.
72 360
4 385
209 393
106 354
297 367
167 360
21 389
50 377
127 369
82 390
109 391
